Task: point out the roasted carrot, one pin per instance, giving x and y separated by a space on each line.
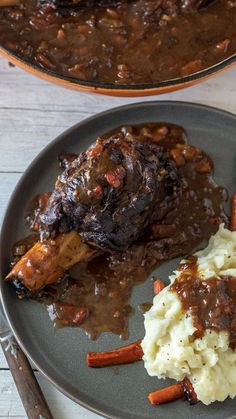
123 355
189 391
176 391
233 213
167 394
158 286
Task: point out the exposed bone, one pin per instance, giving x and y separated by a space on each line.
47 261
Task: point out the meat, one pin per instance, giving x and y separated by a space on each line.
109 192
105 197
140 182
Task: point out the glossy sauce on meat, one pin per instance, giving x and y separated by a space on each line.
108 194
212 302
121 42
96 295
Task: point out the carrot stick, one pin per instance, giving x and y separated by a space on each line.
233 213
167 394
123 355
158 286
189 391
174 392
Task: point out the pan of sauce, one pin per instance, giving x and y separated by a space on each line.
130 48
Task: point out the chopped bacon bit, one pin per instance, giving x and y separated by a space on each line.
44 61
177 156
81 315
158 286
189 152
43 200
78 71
96 192
160 133
120 171
47 9
215 220
113 179
72 314
95 151
60 34
191 67
204 166
200 330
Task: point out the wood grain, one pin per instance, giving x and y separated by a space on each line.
61 407
32 113
28 388
8 182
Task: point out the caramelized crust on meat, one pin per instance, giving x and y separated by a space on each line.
108 194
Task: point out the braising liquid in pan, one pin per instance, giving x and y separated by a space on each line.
125 43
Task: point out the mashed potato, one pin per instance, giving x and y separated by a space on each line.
171 350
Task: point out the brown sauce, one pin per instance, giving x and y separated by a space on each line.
35 207
212 302
144 307
96 295
103 291
22 246
126 42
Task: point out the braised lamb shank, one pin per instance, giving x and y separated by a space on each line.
109 192
103 200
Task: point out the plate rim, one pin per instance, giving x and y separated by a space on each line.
155 103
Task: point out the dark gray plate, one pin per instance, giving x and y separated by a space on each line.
60 354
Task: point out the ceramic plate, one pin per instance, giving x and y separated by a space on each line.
117 392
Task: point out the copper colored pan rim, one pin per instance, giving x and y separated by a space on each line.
120 90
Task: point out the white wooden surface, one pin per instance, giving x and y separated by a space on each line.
32 113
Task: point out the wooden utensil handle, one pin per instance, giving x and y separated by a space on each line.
26 383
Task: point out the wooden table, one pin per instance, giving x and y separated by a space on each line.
32 113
